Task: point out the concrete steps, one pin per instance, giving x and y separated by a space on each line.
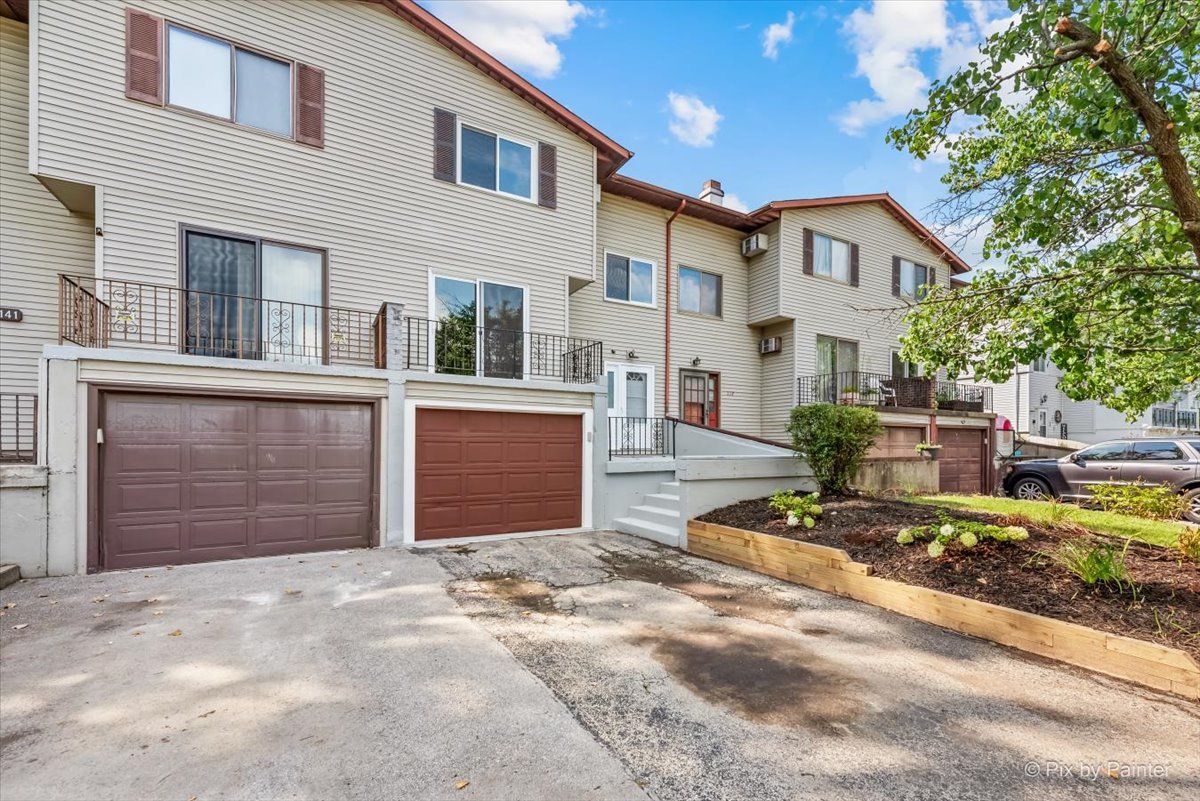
9 574
657 519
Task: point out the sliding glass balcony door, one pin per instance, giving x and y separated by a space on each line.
479 328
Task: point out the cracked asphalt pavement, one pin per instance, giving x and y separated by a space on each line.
583 666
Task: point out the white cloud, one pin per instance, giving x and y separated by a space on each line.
518 32
693 122
732 201
777 34
888 39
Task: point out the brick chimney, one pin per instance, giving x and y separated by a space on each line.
712 192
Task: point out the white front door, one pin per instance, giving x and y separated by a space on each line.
630 400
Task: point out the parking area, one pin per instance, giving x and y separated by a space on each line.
584 666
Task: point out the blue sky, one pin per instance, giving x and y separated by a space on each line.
774 99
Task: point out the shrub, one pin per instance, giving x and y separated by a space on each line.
797 508
1095 563
834 439
964 534
1139 499
1189 544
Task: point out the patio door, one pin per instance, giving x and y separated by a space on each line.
834 357
700 398
479 328
630 398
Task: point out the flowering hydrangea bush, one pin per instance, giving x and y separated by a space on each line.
964 534
797 508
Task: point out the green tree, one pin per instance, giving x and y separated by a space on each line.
1073 141
834 440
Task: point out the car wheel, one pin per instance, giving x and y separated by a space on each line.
1029 488
1192 510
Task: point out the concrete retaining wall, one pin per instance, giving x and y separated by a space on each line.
23 492
916 475
707 483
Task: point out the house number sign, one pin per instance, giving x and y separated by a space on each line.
11 315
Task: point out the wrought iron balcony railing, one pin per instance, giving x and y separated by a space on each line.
456 347
18 427
879 389
98 312
641 436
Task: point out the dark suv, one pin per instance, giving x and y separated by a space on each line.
1161 460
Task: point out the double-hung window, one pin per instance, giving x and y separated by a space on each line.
214 77
699 292
831 258
628 280
496 163
914 279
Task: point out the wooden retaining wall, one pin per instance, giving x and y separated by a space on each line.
832 570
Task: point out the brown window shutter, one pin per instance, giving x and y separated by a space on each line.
930 276
445 156
853 264
547 175
143 57
310 105
808 251
896 276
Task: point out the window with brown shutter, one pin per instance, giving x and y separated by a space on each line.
445 126
143 57
896 276
547 175
808 251
310 105
853 264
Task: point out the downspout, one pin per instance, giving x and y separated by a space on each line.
667 324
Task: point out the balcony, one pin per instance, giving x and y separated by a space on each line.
882 390
641 436
1175 418
102 313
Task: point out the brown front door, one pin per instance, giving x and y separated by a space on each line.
484 472
961 468
193 479
701 398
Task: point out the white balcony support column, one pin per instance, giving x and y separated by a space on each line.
394 336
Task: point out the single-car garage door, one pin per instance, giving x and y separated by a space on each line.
192 479
482 472
961 465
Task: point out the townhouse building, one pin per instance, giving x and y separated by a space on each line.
282 277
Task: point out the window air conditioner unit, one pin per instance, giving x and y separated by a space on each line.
754 245
770 345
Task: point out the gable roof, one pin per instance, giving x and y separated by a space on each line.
669 199
609 154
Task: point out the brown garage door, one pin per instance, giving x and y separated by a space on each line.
496 472
192 479
961 465
897 441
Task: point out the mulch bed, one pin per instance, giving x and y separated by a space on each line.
1014 574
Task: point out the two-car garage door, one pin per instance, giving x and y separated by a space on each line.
193 478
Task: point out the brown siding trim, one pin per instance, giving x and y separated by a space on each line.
143 57
808 251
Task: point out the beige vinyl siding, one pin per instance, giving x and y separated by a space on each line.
765 283
369 196
469 394
827 307
778 383
635 230
726 345
39 238
182 378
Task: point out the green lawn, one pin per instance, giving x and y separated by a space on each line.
1152 531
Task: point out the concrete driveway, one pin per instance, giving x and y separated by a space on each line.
590 666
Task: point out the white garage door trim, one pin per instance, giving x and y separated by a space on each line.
410 458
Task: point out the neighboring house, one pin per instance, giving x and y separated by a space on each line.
320 274
1036 406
